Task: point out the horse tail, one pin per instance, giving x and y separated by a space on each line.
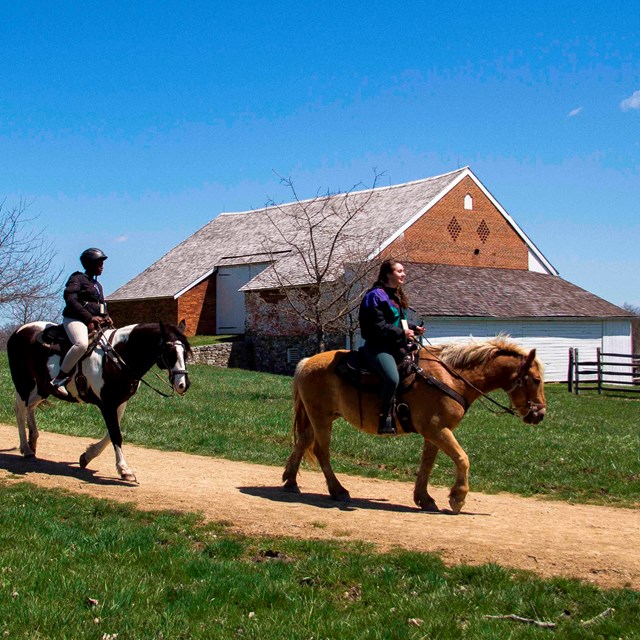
302 427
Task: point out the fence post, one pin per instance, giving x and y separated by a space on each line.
599 359
570 372
576 369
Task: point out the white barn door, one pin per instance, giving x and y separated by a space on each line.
230 310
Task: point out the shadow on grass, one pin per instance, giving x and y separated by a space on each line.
323 501
18 465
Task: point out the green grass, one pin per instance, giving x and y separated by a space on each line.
586 450
75 568
199 341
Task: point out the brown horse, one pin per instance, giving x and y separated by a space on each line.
471 370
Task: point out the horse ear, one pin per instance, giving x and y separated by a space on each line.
182 325
529 359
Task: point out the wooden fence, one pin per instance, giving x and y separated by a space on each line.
608 372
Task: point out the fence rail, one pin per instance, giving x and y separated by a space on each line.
608 372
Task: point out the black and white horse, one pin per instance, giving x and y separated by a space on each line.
107 378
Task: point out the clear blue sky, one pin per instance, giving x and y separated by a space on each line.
130 125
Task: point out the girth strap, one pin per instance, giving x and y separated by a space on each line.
446 389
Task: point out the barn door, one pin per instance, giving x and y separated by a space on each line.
230 309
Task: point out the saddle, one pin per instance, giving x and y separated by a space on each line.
56 341
354 369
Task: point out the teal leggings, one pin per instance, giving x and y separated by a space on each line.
384 364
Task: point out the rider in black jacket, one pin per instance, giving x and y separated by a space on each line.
85 309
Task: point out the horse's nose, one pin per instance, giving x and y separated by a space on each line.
182 384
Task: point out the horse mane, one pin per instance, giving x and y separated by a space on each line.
465 355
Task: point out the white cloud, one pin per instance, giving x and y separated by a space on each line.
122 238
632 102
575 112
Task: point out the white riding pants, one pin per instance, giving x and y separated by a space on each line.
78 333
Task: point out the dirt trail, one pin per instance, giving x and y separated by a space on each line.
597 544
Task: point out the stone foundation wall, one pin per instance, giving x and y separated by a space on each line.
224 354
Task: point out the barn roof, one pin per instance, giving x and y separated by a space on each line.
444 290
239 238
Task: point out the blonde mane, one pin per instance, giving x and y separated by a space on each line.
465 355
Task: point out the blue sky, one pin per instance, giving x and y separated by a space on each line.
130 125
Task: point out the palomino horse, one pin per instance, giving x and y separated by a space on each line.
471 370
110 375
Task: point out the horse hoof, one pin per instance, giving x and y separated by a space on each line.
455 505
429 507
342 496
291 488
29 454
83 461
129 477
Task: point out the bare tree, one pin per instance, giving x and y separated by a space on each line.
28 280
324 256
631 308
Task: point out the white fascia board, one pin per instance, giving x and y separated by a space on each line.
194 283
538 254
467 172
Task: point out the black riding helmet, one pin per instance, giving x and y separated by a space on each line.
91 256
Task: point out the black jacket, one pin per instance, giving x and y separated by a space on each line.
83 296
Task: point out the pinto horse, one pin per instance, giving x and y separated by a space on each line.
107 377
470 370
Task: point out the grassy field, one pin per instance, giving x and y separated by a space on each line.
586 450
74 568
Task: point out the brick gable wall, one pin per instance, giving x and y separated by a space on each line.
198 307
125 312
450 234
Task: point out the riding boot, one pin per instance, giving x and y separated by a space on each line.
59 382
385 424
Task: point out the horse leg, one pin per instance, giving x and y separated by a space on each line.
322 435
22 417
33 429
303 439
421 490
94 450
112 417
447 443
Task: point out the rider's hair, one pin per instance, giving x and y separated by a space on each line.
386 269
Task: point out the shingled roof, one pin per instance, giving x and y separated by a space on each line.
444 290
239 238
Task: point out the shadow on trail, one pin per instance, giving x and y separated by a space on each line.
13 462
322 501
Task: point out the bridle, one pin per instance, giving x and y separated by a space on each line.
173 373
520 382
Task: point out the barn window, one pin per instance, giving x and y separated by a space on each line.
483 231
468 202
293 355
454 228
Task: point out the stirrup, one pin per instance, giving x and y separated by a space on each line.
386 426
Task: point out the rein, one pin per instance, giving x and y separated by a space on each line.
118 359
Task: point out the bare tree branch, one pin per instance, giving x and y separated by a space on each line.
327 268
28 280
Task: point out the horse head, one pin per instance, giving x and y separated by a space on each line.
174 348
526 389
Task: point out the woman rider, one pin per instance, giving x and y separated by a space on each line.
385 331
85 309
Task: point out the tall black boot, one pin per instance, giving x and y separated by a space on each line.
386 427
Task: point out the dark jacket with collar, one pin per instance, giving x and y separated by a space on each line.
379 317
83 296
